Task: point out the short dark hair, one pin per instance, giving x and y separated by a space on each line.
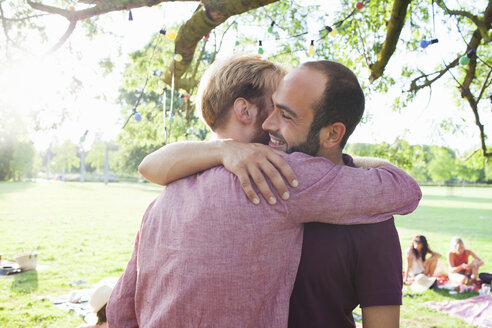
342 100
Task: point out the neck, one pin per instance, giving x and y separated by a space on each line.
334 155
232 130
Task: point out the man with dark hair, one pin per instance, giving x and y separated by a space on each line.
316 108
206 256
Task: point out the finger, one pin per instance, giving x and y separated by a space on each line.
272 173
248 188
284 169
262 184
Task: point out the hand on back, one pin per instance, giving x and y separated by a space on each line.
258 162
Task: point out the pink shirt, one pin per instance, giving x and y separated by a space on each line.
206 257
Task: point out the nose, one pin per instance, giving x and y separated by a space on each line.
269 123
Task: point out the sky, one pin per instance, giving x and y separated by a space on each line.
95 107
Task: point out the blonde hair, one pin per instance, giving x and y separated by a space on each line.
455 241
244 75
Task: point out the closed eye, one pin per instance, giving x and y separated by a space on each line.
282 113
285 116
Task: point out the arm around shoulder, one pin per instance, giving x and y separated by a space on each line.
179 160
345 195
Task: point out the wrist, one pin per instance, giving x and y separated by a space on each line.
219 149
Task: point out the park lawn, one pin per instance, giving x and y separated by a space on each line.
86 232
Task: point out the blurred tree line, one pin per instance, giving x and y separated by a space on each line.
426 163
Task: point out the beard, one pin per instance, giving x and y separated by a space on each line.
260 136
310 146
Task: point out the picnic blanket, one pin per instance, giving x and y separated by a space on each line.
476 310
77 302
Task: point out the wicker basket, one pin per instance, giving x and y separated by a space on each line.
27 260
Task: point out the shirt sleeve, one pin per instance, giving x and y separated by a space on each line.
340 194
120 310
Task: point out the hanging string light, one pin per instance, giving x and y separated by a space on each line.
311 48
178 57
465 60
425 43
329 30
134 112
82 138
170 34
136 115
260 48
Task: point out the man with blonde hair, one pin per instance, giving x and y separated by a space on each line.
206 256
244 76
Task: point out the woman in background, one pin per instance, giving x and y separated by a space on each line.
459 269
416 261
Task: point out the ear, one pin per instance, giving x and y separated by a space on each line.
243 110
330 136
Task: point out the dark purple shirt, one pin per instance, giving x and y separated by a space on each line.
342 267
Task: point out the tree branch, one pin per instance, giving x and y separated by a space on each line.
209 16
394 27
101 7
484 86
481 24
199 59
414 87
21 18
64 38
474 43
7 36
470 76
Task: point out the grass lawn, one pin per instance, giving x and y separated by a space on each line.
86 232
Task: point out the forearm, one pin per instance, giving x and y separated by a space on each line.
477 259
179 160
456 269
408 265
434 255
453 268
387 316
354 196
405 275
369 162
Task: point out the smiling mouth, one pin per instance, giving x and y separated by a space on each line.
276 142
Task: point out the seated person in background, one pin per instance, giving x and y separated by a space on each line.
416 261
98 301
459 269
